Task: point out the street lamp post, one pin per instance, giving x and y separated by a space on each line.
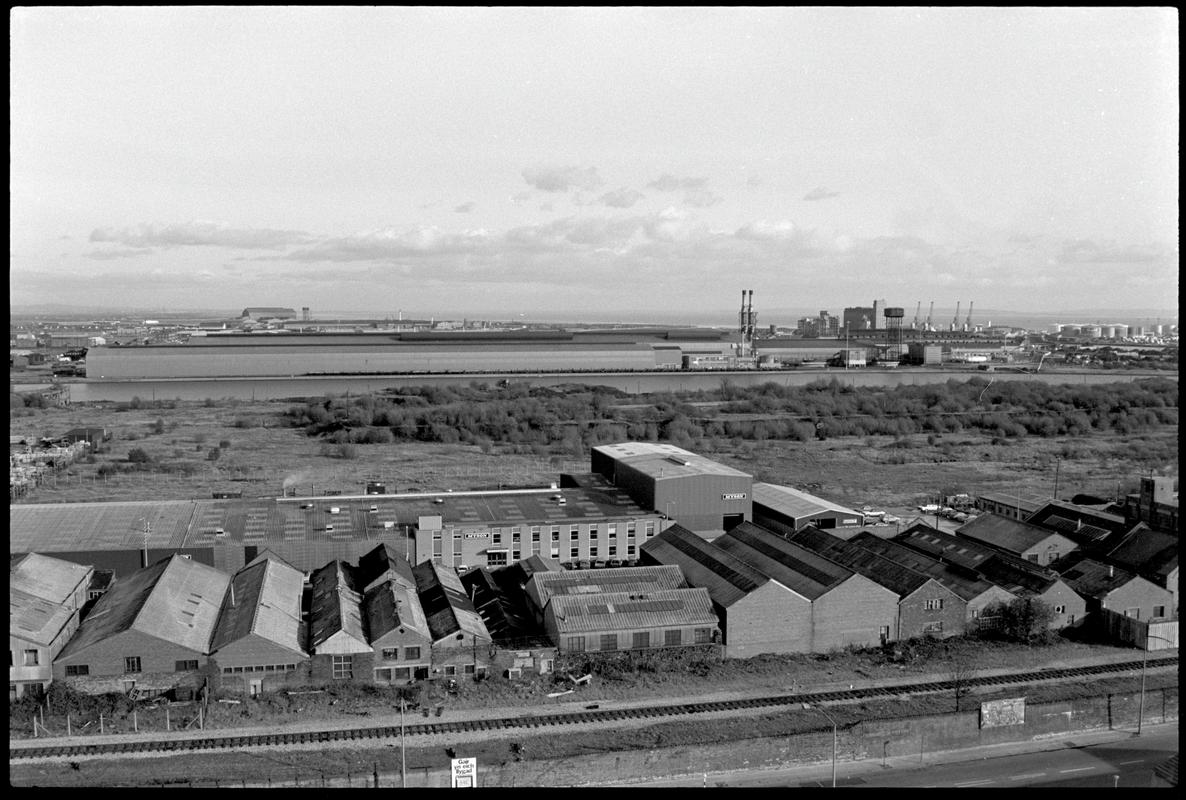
834 737
403 764
1144 661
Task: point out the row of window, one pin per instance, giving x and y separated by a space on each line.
259 668
392 654
131 665
639 640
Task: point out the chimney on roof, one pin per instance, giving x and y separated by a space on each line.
1111 571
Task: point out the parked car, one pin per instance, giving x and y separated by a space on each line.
613 562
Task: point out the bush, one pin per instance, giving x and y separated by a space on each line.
138 455
1024 619
225 444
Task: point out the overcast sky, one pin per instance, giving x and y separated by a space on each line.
551 162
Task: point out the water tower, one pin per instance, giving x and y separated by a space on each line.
893 333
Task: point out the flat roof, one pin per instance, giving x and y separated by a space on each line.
659 460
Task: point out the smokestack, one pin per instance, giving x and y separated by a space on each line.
875 307
968 324
930 314
955 322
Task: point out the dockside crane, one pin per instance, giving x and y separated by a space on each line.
955 322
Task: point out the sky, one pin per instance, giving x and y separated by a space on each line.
571 162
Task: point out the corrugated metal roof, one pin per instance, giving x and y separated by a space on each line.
792 565
893 575
618 611
176 600
726 577
266 601
543 586
1145 550
1005 533
384 563
912 548
665 460
50 579
34 618
1090 577
795 503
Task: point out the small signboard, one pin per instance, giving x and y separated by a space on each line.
997 713
465 773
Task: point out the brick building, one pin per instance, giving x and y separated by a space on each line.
1030 542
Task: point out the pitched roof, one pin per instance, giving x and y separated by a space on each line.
176 599
999 568
390 605
1146 551
1091 577
1080 523
383 563
1004 533
726 577
264 599
914 548
794 503
794 566
447 607
336 605
877 567
616 611
543 586
502 615
40 595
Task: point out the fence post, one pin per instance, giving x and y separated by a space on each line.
100 722
68 733
135 721
167 727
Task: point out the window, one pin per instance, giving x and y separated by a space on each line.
403 673
612 529
555 533
391 654
630 526
629 551
554 552
1135 613
496 558
450 669
576 644
1158 611
343 666
574 551
672 638
436 549
496 536
975 613
649 528
132 664
457 558
934 605
185 666
77 670
516 534
1032 557
592 551
609 641
515 554
535 533
642 640
932 627
573 532
32 658
469 669
411 653
613 551
703 635
1060 609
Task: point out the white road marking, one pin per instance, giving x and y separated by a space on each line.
1077 769
1026 777
973 783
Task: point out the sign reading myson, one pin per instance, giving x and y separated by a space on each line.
733 496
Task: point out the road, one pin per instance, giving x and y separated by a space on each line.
1093 760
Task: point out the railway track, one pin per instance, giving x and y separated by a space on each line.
552 721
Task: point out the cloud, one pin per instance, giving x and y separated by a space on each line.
466 207
670 183
1083 251
622 198
207 234
753 180
701 198
820 193
562 179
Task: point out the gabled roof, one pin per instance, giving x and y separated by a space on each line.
392 605
176 600
794 503
1080 523
383 563
913 548
794 566
997 567
447 608
336 605
1003 533
51 579
726 577
502 615
264 599
543 586
1091 577
893 575
1146 551
616 611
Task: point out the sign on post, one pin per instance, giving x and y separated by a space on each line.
465 773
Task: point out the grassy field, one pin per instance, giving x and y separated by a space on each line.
260 456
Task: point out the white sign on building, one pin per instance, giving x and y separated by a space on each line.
465 773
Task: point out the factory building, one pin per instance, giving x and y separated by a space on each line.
45 600
925 606
1020 539
1106 586
1007 505
785 510
705 496
1156 504
151 631
756 614
610 622
840 608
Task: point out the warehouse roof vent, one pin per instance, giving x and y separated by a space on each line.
683 462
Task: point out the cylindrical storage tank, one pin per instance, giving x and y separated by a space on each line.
1159 330
1090 331
1056 328
1136 330
1070 330
1121 331
1108 331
